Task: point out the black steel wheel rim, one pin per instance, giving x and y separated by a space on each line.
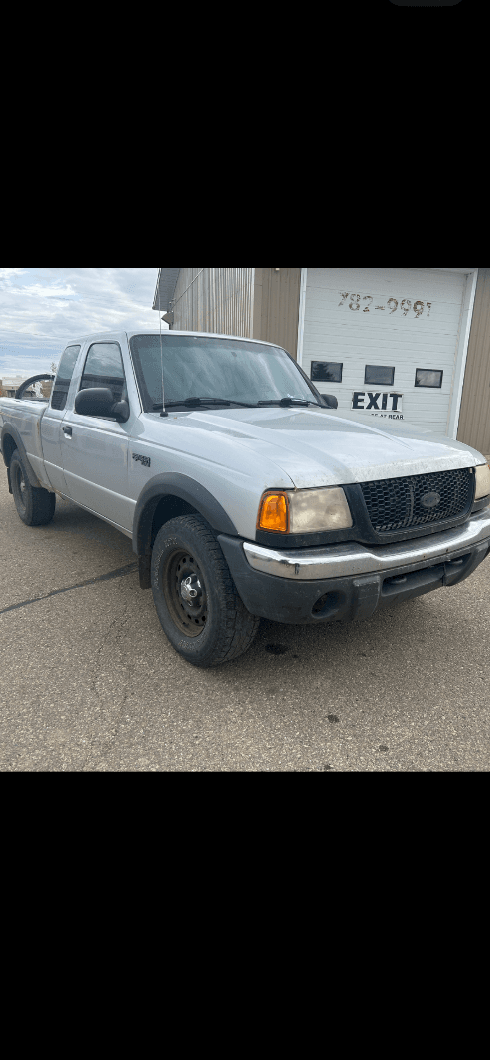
184 589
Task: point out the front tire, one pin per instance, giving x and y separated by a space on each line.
196 599
35 507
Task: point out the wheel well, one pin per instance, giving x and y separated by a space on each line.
9 445
169 508
156 512
160 508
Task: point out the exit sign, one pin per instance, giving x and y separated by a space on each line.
386 404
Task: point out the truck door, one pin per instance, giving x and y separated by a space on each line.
95 449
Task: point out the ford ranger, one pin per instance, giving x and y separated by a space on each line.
245 492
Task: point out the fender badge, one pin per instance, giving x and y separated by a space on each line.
145 460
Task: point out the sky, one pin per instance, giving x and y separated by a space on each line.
42 310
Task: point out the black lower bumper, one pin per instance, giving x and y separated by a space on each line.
347 599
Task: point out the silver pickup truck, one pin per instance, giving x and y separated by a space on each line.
245 492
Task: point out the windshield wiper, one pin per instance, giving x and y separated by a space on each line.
286 403
197 403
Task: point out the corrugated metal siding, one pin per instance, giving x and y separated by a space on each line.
167 279
214 300
276 307
474 419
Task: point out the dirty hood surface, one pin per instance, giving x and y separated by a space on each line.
320 447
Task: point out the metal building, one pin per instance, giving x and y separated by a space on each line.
411 344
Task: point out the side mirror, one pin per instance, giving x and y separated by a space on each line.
100 402
120 411
329 401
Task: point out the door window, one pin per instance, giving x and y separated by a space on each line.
104 368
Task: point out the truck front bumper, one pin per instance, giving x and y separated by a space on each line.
349 582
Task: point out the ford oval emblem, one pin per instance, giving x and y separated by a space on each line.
430 500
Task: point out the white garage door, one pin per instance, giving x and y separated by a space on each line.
386 341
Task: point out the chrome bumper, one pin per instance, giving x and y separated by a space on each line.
340 561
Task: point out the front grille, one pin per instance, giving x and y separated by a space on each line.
396 503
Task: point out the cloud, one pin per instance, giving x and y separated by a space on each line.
6 278
41 310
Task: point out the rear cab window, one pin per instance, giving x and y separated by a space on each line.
64 377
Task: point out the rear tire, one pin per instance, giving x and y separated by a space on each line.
196 599
35 507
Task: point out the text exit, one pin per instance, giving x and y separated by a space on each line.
388 404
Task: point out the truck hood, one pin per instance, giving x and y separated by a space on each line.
323 448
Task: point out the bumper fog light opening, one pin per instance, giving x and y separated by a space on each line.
328 604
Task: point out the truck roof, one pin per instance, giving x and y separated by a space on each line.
111 336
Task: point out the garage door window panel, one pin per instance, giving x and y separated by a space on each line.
379 375
428 378
326 372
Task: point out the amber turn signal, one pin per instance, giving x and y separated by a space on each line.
274 512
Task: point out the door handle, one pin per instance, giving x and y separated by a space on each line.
67 430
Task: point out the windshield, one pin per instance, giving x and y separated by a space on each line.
223 369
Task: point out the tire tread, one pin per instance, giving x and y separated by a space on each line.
239 627
41 505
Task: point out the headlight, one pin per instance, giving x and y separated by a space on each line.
482 481
304 511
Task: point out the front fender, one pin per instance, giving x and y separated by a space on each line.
186 489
